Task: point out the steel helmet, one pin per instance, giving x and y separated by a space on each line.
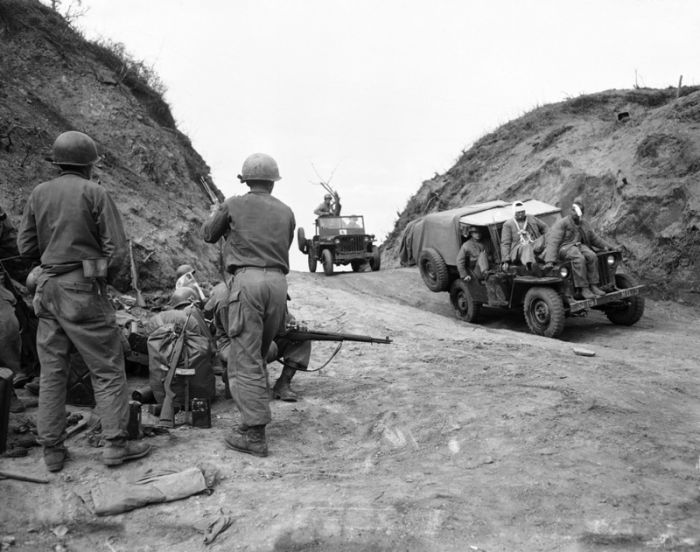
259 166
75 149
183 269
328 196
183 296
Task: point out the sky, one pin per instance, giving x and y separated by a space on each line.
381 95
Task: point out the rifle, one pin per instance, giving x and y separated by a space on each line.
135 278
167 411
299 332
214 200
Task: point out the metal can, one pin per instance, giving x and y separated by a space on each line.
133 427
201 413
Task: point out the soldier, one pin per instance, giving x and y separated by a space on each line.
259 230
72 226
185 278
10 352
330 206
184 314
475 253
294 355
572 239
522 237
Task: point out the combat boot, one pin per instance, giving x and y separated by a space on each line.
596 290
587 294
248 439
282 389
54 457
120 450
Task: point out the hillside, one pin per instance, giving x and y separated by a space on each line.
52 81
454 437
634 157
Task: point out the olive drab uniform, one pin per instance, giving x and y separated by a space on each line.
573 242
67 220
10 351
259 230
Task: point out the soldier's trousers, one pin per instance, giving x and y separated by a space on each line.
75 312
257 308
9 332
584 263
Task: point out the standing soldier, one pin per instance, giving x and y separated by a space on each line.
74 228
330 206
259 230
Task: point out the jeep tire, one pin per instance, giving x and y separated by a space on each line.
327 261
433 270
544 311
301 241
375 261
633 308
312 261
462 300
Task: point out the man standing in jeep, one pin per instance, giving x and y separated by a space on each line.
329 207
572 239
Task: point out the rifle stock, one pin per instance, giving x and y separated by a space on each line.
135 278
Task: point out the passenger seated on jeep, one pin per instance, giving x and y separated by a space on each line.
522 238
476 253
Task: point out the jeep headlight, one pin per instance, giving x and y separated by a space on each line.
336 241
367 239
563 271
611 260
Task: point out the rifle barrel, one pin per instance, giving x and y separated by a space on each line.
315 335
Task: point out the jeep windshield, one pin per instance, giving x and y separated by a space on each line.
353 224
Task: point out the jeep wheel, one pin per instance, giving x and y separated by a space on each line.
327 261
433 270
544 311
356 265
301 241
631 309
375 261
312 261
466 308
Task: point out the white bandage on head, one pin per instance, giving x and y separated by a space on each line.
577 210
518 206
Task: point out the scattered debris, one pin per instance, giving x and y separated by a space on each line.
583 352
21 477
152 487
220 525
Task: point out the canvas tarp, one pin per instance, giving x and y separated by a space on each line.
439 231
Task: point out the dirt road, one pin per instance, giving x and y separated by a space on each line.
455 437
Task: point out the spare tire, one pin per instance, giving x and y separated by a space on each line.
301 241
433 270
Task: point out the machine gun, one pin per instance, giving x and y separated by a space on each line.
167 411
299 332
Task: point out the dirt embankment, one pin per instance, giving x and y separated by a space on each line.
52 81
455 437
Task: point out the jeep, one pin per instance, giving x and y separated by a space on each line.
545 299
339 240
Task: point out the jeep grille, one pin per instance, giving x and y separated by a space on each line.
351 244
